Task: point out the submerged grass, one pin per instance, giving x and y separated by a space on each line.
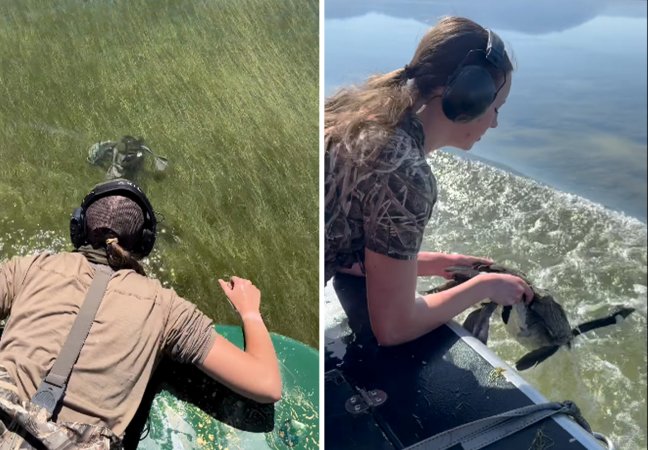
227 91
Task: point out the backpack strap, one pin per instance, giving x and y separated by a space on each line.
52 388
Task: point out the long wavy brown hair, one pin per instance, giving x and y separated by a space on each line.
363 117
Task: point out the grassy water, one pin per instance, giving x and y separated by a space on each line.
226 90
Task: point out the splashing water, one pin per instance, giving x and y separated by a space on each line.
589 257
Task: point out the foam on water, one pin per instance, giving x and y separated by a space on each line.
17 242
589 257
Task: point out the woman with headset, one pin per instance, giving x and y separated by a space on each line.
65 388
380 191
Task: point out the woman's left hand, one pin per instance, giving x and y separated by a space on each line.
435 264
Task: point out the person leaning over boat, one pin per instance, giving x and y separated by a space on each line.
380 191
137 322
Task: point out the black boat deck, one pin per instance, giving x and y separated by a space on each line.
442 380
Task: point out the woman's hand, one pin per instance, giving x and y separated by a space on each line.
505 289
254 372
435 264
244 296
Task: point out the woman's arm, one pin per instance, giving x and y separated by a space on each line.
254 372
430 264
436 263
399 315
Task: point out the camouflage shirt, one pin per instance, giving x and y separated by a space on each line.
383 206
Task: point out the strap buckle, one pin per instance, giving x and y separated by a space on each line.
48 395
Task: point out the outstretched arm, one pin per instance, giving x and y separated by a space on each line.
254 372
436 263
430 264
399 315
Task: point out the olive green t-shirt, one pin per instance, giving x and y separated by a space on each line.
137 322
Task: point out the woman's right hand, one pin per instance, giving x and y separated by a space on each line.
253 372
244 296
505 289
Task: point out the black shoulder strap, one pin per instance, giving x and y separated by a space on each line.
51 390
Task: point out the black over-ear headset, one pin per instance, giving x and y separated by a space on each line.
78 232
471 88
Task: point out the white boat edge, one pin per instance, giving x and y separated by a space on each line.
512 376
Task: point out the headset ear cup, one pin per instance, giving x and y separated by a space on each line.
77 228
148 240
468 94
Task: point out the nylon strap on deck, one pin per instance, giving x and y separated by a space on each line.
483 432
51 390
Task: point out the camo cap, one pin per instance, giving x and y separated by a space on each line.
117 214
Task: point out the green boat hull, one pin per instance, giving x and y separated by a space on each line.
185 409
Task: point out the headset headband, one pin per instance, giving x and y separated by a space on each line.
495 53
127 188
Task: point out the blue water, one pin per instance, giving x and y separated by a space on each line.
576 115
558 190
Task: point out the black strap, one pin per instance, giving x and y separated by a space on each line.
483 432
51 390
